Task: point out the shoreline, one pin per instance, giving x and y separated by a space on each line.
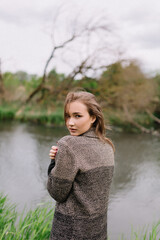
55 119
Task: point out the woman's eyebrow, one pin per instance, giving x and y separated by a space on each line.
76 113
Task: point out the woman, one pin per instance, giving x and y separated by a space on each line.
80 173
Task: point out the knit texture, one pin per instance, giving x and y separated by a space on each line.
80 183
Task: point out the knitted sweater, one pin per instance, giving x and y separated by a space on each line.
80 183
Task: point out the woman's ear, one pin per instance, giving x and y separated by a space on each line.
93 119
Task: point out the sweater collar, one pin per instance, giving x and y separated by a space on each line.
90 133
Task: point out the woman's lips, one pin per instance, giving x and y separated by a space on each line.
72 129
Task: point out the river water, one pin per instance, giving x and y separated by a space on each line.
135 193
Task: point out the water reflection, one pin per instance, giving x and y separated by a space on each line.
135 199
135 154
135 195
19 169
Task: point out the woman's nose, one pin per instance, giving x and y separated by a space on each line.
71 122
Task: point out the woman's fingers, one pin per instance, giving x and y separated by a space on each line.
53 152
52 155
54 147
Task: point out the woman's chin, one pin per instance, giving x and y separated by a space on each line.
74 134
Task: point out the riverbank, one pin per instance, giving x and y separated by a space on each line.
49 117
36 224
130 99
29 114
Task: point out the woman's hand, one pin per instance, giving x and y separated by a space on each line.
53 151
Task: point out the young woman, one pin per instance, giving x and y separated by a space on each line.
80 173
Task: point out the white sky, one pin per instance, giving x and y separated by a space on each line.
26 29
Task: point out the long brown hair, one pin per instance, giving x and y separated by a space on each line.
93 108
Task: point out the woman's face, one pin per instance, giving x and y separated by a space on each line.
78 119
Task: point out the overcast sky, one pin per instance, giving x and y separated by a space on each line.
26 29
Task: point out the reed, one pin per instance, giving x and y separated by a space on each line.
7 113
42 116
33 225
145 233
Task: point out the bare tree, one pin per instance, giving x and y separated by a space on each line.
82 36
41 85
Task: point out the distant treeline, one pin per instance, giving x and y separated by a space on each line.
130 99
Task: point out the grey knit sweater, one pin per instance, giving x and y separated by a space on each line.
80 183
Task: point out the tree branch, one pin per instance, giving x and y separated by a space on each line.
129 119
46 66
153 117
90 27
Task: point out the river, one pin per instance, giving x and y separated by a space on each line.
135 193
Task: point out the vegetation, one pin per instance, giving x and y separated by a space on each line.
130 99
7 113
36 224
145 234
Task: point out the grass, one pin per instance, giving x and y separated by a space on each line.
30 114
42 117
145 234
36 224
33 225
7 113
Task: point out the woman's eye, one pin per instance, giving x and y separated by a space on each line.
77 116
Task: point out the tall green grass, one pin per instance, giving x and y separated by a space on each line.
144 233
36 224
37 116
7 113
42 117
33 225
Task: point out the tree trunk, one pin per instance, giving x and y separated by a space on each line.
153 117
41 85
134 123
36 90
1 83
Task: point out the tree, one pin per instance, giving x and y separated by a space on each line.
1 83
22 76
125 87
89 40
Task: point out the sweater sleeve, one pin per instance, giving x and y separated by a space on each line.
51 166
61 177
